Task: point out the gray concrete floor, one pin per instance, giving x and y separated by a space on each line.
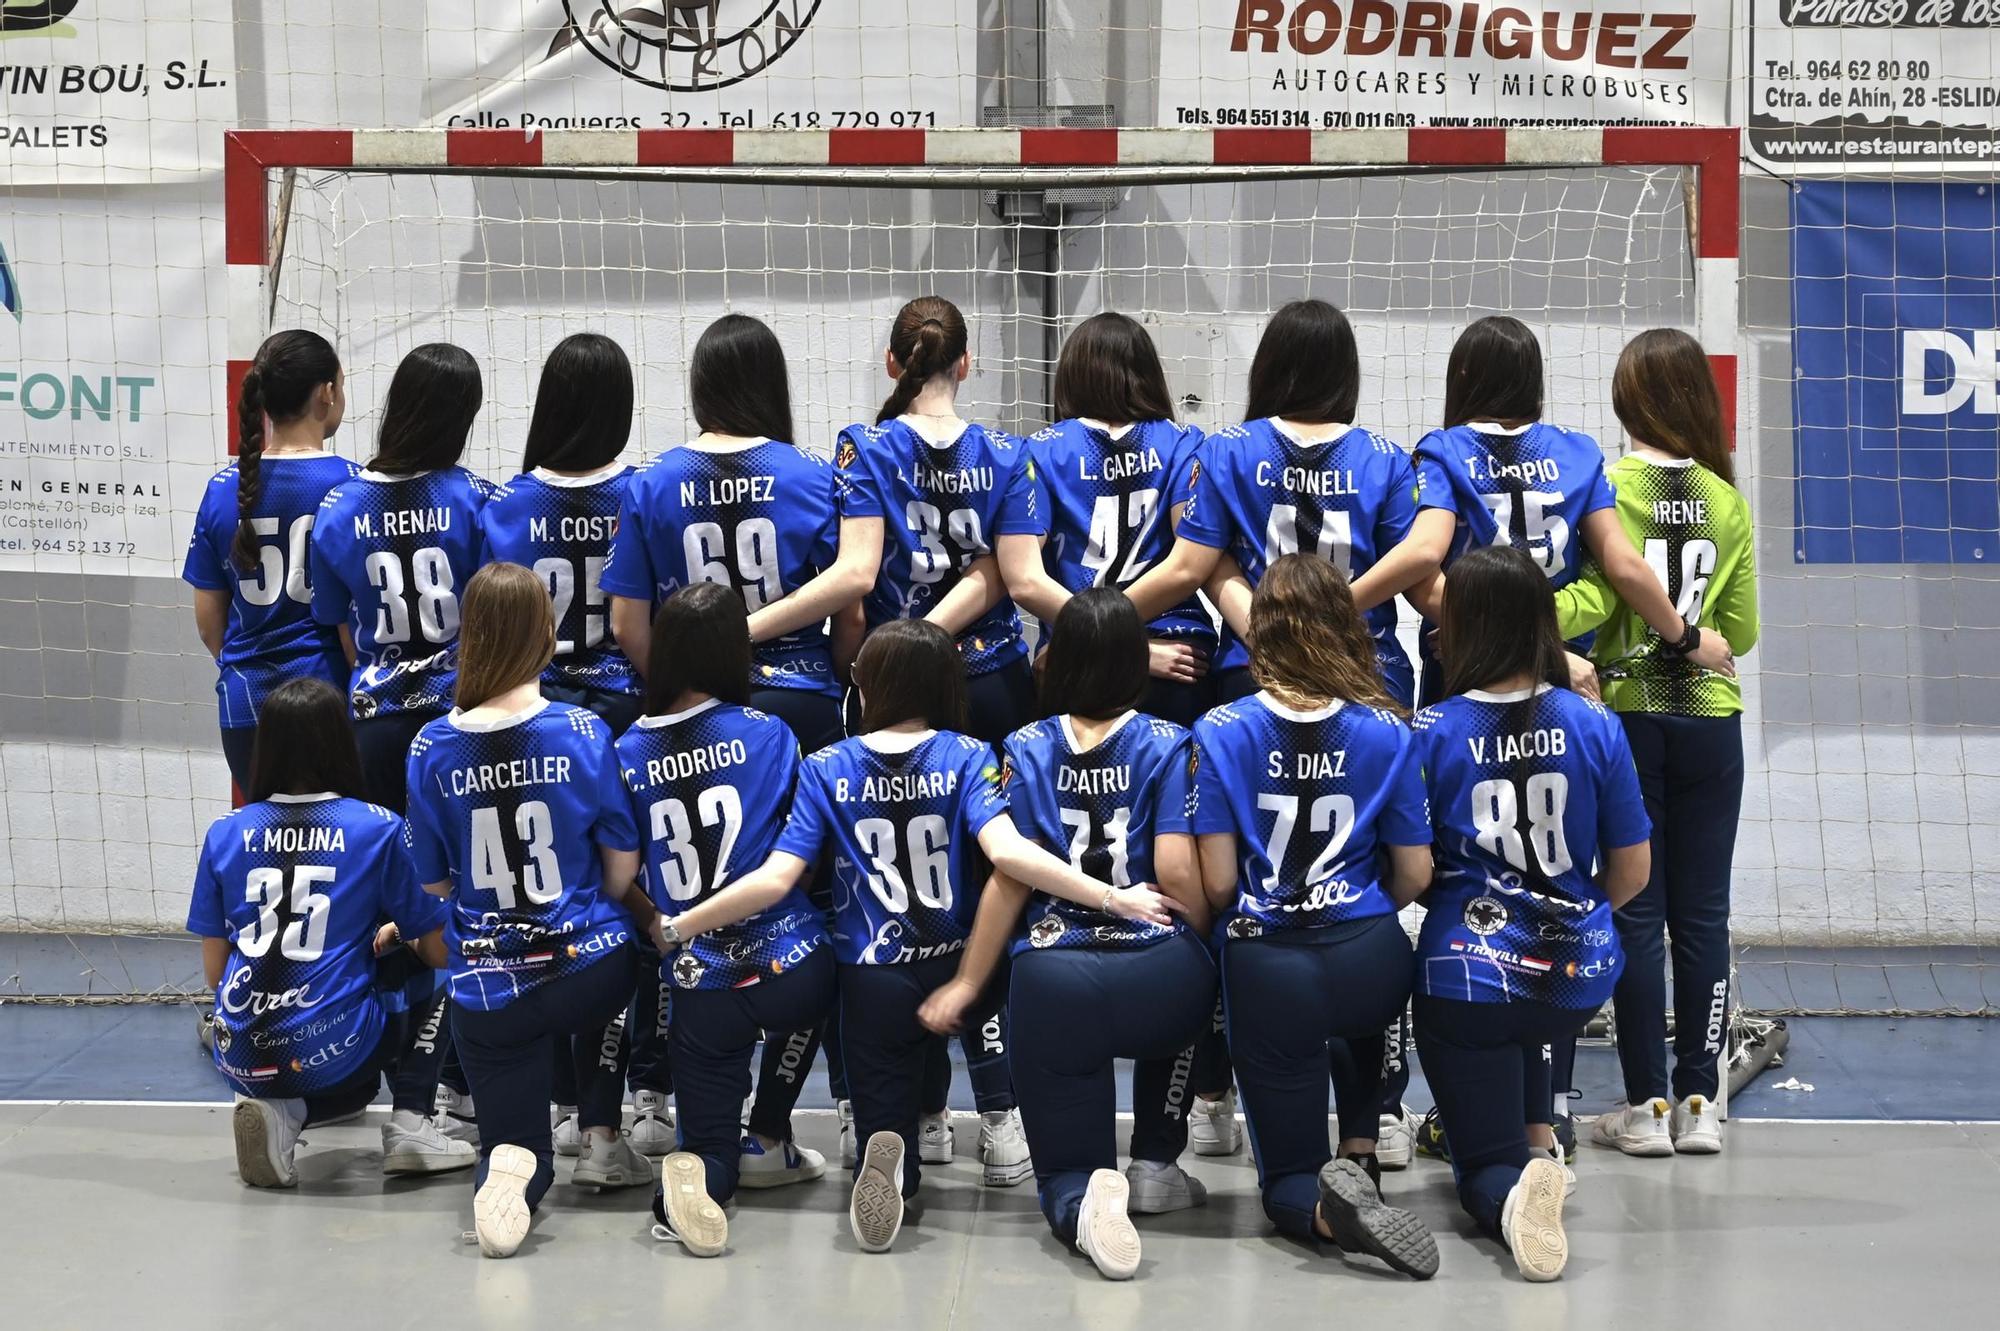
132 1215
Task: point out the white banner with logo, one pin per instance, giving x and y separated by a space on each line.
1341 64
741 64
1840 86
116 92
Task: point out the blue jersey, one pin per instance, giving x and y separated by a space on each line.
902 824
390 556
561 527
1531 488
298 885
1312 797
941 509
1521 818
759 519
709 788
271 635
1261 494
1108 507
1100 809
511 813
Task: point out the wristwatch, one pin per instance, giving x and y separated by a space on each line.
671 936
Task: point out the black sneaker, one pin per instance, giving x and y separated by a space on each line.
1430 1138
1371 1165
1353 1211
1565 1130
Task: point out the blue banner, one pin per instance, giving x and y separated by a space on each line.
1896 372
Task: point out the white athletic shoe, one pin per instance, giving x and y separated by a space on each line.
1396 1139
412 1144
267 1132
568 1130
934 1142
1695 1128
1104 1231
843 1113
783 1164
652 1124
1003 1149
457 1116
1639 1129
1159 1186
500 1212
1532 1221
1212 1125
1569 1175
684 1212
875 1211
610 1162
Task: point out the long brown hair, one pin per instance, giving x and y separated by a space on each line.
909 670
1664 393
506 635
1308 640
927 339
1110 371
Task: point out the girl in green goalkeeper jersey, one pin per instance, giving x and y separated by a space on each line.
1677 500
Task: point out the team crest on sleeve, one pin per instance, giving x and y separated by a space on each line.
1194 475
1006 772
846 454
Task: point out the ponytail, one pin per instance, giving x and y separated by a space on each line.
927 339
289 368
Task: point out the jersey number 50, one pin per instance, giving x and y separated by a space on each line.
280 572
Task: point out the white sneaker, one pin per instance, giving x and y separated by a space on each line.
568 1130
1532 1221
412 1144
875 1211
774 1168
652 1125
1639 1129
1569 1175
1212 1125
684 1211
457 1116
1003 1149
610 1162
1160 1186
267 1132
1104 1231
500 1212
1695 1128
1396 1139
934 1143
843 1113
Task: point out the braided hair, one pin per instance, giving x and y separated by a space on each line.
928 338
288 370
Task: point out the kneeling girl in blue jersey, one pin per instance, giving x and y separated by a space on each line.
518 815
710 782
290 901
907 809
1108 786
1529 785
1309 810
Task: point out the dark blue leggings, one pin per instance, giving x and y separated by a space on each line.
1487 1070
239 743
714 1035
384 741
1691 774
509 1056
1286 996
1074 1011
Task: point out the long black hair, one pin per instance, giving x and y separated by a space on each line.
1096 665
1110 371
289 368
927 339
701 642
428 414
305 743
737 380
583 406
1307 368
1494 373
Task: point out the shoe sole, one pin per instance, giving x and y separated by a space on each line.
1104 1228
782 1178
254 1163
1005 1176
424 1162
1541 1248
696 1220
1161 1201
585 1177
1227 1146
1392 1163
500 1212
1362 1223
936 1155
1698 1145
875 1212
1644 1148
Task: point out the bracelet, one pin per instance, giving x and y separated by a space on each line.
1689 640
1105 905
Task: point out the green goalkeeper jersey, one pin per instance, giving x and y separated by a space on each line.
1693 528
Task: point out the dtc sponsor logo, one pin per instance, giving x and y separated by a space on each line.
327 1053
1971 371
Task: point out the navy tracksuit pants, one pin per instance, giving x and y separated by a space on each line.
1075 1010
